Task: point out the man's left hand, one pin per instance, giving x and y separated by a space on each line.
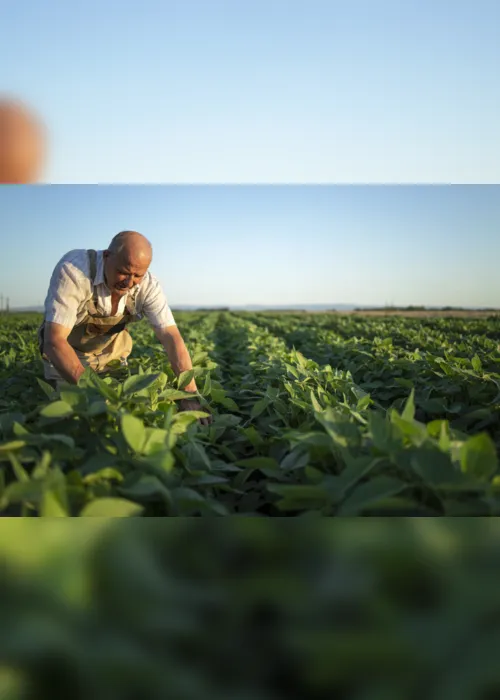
194 405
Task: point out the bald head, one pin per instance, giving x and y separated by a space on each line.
131 243
126 261
22 147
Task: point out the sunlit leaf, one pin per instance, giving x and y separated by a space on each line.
134 432
111 508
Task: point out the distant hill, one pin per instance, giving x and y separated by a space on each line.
242 307
268 307
293 307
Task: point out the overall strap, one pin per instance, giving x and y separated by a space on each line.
92 255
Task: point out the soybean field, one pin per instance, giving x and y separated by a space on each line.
313 415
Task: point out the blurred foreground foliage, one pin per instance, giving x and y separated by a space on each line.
253 609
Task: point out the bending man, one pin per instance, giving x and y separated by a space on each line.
92 297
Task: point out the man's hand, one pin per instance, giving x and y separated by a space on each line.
180 360
194 405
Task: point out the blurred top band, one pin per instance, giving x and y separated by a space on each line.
22 143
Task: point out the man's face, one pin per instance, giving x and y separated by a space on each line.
123 272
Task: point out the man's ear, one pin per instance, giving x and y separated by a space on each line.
106 254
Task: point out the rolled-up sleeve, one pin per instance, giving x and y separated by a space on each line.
155 306
64 296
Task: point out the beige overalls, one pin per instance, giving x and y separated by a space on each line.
97 339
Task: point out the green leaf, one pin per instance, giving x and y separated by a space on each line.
343 433
272 393
19 430
196 455
185 378
180 416
292 371
73 396
433 406
48 390
51 505
93 380
258 463
298 458
198 357
356 470
148 487
175 395
416 432
12 446
137 383
259 407
315 403
186 497
477 365
42 468
434 427
409 410
206 480
182 420
298 496
207 386
301 360
435 468
380 430
55 437
253 435
444 437
106 474
229 404
133 431
57 409
155 440
406 383
98 408
20 491
478 457
19 471
111 508
364 402
370 493
217 395
226 420
162 461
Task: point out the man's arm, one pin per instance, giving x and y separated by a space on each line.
60 352
69 286
177 352
159 314
180 360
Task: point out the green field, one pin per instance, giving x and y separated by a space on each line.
314 414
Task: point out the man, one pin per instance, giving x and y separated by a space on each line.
92 297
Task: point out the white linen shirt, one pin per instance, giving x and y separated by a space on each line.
70 289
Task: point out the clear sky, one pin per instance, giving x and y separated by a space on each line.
260 90
274 244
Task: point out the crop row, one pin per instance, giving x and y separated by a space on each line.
450 379
290 435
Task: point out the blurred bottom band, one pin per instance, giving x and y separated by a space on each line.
249 608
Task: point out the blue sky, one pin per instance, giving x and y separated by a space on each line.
260 90
432 245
